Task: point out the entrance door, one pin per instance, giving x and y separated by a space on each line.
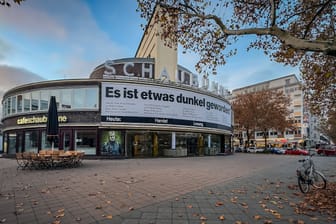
66 140
192 146
140 144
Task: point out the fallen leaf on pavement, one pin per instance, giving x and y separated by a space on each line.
60 215
234 199
222 217
277 215
244 205
219 203
257 217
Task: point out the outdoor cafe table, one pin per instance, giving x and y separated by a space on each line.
49 159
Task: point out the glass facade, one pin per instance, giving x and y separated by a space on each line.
38 100
120 143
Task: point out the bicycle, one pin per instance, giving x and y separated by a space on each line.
309 176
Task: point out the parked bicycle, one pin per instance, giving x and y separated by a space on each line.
308 176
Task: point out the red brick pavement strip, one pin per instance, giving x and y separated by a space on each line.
159 190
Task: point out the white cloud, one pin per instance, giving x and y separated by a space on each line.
31 21
11 77
60 38
5 49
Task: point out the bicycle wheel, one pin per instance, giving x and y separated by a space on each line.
319 181
303 184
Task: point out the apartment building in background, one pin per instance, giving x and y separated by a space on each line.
306 129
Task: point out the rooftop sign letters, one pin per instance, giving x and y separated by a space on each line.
130 69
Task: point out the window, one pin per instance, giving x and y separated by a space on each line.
4 109
44 100
13 107
92 97
45 144
19 103
179 76
66 141
66 99
79 98
35 100
216 143
287 82
141 144
26 102
187 78
11 143
31 141
8 106
86 141
165 140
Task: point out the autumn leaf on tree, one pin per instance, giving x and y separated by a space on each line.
295 33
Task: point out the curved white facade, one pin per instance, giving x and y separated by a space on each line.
147 117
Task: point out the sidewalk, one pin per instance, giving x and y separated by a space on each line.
240 188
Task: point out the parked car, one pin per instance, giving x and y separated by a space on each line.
296 152
326 150
278 150
254 149
238 149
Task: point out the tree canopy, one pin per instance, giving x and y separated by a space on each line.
8 4
297 33
262 111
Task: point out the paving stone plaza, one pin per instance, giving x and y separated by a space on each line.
238 188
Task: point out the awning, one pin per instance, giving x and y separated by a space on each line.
282 140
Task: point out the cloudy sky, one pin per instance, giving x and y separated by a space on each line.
48 39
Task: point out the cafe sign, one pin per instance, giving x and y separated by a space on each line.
39 120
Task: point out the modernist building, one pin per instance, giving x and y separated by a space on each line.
147 106
147 116
306 126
